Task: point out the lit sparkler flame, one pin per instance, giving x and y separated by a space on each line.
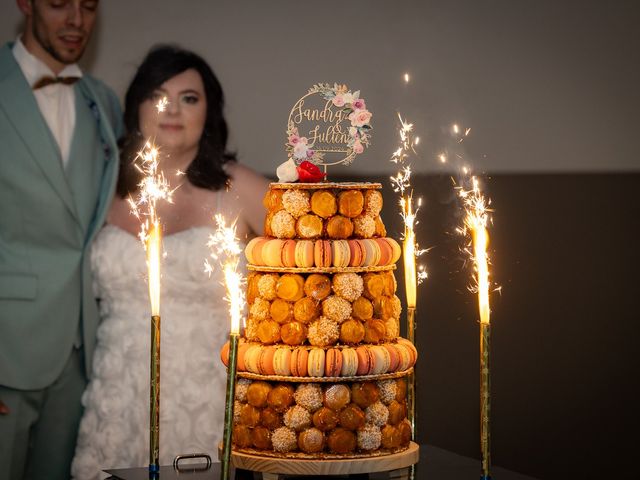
475 222
152 188
226 250
401 183
162 104
406 78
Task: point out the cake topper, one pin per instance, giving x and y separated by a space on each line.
327 126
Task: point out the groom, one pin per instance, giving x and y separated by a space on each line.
58 166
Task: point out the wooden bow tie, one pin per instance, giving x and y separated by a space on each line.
48 80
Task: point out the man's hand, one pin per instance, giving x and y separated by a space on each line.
3 408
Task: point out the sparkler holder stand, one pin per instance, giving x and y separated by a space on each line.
228 409
154 399
485 399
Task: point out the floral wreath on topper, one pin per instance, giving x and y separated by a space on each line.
303 157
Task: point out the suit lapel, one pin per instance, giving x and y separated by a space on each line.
21 109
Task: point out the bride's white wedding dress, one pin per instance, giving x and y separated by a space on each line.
114 431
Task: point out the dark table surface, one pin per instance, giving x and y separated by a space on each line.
435 464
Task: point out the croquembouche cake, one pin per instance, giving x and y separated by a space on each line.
322 369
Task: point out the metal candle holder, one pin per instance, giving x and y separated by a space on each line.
228 409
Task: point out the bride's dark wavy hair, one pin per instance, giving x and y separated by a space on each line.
162 63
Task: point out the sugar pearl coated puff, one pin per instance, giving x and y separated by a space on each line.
316 362
260 309
296 202
322 253
257 394
311 440
369 438
350 203
336 308
297 418
299 362
349 362
364 226
348 285
304 253
317 286
337 396
333 362
309 396
323 203
372 203
284 440
251 329
280 398
267 286
342 441
340 253
323 332
309 226
283 225
387 389
293 333
290 287
270 418
282 362
339 227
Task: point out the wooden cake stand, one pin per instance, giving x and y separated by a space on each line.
272 467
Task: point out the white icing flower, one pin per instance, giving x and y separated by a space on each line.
287 172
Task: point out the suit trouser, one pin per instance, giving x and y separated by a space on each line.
38 435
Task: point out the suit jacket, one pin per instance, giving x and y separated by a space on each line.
48 217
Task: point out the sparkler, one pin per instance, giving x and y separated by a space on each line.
152 188
226 249
475 223
413 276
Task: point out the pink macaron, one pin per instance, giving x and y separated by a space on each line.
394 357
366 360
299 362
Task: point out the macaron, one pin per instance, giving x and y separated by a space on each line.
397 250
394 357
333 362
405 357
340 253
322 253
349 362
299 362
224 354
252 252
356 253
366 360
304 253
413 351
282 361
316 362
386 251
382 360
265 362
372 252
272 253
288 254
252 358
242 350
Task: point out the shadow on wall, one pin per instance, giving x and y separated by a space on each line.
564 329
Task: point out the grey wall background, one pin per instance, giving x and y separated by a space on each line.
545 85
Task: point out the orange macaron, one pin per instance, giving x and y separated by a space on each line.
265 362
299 362
333 362
242 350
288 254
397 250
356 253
386 251
272 253
366 360
394 357
322 253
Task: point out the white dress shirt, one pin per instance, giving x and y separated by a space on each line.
57 101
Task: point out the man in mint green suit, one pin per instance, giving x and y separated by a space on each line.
56 184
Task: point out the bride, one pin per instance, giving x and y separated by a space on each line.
191 134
